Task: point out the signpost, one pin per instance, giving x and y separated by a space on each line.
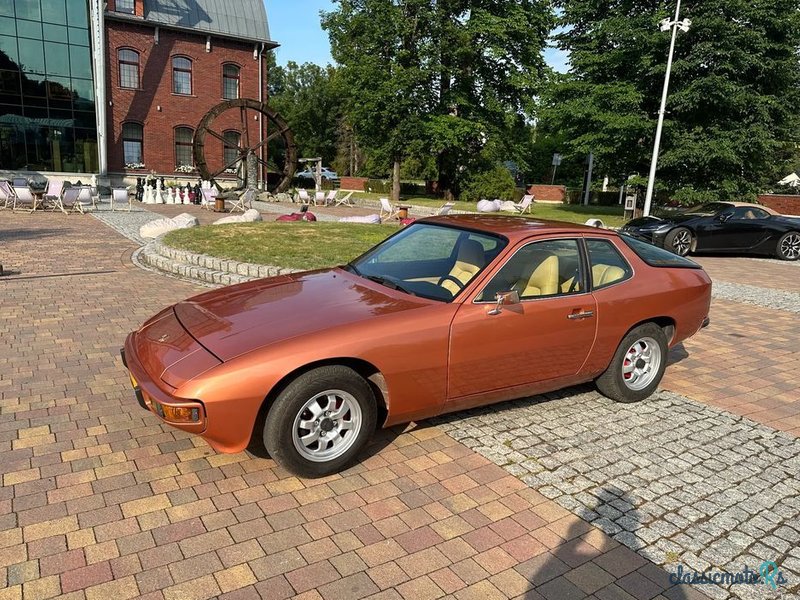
556 163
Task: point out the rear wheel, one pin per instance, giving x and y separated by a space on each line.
788 247
320 421
638 365
679 241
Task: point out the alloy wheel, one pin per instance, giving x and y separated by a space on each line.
327 425
682 242
790 246
641 364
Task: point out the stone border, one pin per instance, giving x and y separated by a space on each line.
207 270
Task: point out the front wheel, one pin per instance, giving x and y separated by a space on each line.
320 421
679 241
788 247
637 367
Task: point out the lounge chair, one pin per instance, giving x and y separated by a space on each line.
345 200
303 197
121 195
53 194
244 202
22 196
209 200
445 209
387 210
69 199
86 195
330 199
524 205
6 193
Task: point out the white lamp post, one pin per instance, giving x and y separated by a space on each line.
666 25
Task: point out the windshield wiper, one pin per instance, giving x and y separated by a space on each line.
390 283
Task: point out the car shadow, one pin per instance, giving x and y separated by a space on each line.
677 354
7 235
587 564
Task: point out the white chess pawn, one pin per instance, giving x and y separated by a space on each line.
159 193
148 195
185 194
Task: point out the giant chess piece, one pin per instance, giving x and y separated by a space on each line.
139 189
171 195
198 193
159 197
147 197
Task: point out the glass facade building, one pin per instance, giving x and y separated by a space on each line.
47 107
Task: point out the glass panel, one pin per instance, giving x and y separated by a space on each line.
7 109
183 146
125 6
8 26
77 13
27 9
54 11
29 29
78 36
129 55
33 86
59 88
7 8
85 119
183 135
10 92
12 145
540 269
31 56
182 63
55 33
128 76
608 265
8 52
231 151
35 112
86 150
182 82
59 115
657 257
132 131
84 88
80 62
133 152
57 58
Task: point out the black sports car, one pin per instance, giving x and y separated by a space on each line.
735 227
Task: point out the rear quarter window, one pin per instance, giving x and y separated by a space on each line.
655 256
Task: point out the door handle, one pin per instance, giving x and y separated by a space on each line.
581 315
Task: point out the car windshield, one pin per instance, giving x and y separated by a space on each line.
429 260
710 208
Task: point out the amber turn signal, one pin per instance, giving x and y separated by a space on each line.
177 414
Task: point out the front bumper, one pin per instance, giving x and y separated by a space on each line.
152 397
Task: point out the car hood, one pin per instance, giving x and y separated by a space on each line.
237 319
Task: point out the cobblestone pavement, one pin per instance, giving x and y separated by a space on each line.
759 272
100 500
673 479
758 296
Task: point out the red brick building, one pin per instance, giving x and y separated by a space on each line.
167 64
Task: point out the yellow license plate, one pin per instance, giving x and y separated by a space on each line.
133 381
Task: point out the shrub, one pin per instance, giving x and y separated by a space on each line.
491 184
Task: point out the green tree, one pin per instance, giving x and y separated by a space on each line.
309 98
733 100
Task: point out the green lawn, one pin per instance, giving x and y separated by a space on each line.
294 245
572 213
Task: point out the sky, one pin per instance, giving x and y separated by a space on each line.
295 25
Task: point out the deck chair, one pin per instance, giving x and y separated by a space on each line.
244 202
86 196
345 200
319 198
330 199
20 182
209 198
53 194
387 210
6 193
303 197
69 199
122 196
22 196
445 209
524 205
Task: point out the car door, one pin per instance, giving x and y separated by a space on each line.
545 337
744 229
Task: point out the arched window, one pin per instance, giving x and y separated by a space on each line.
182 75
230 151
183 147
133 144
230 82
128 68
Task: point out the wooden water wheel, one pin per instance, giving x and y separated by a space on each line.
249 144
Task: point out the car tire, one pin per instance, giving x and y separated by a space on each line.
788 247
680 241
637 367
320 422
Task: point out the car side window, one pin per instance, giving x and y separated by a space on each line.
539 269
608 265
748 212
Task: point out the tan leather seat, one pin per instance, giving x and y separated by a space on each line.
606 274
544 279
471 259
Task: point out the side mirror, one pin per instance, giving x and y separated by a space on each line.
505 299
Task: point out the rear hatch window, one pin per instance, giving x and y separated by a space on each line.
655 256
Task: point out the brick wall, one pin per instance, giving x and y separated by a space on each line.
548 193
358 184
787 205
157 108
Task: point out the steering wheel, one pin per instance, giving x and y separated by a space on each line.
451 278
